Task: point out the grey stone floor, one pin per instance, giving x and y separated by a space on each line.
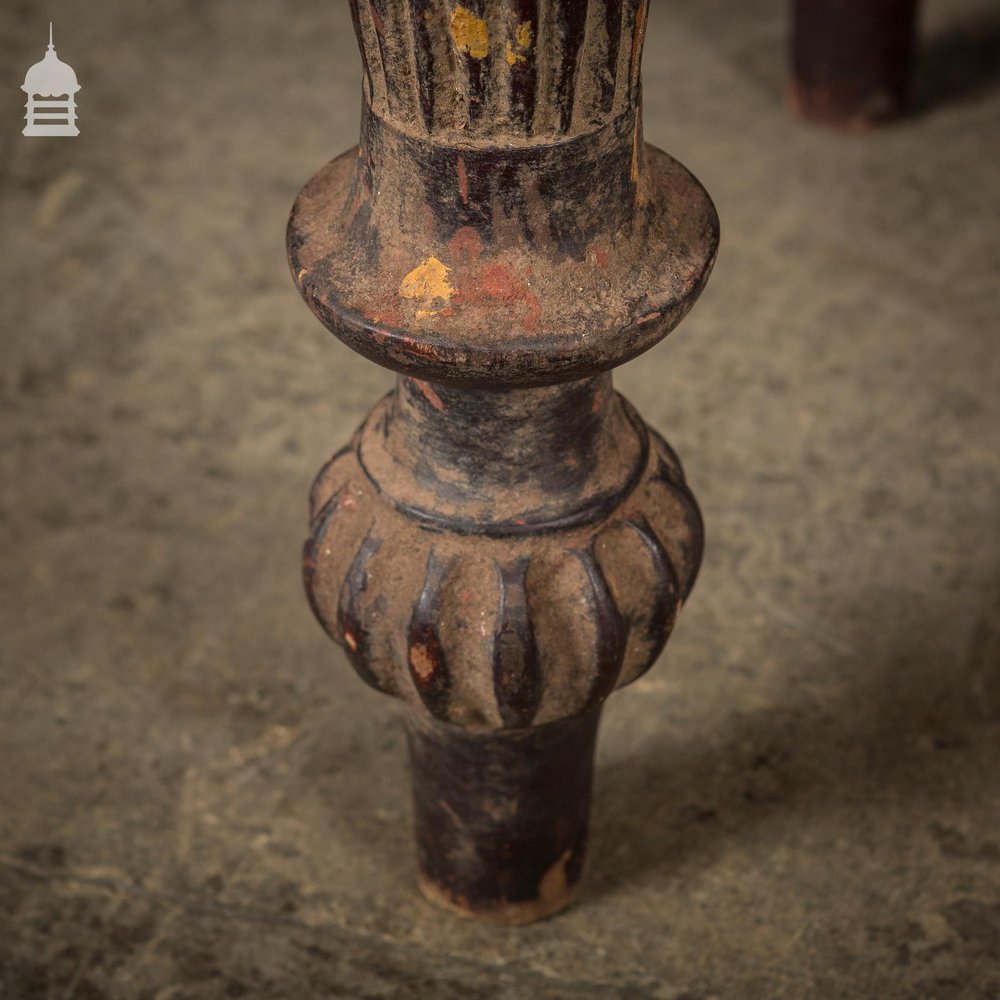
198 799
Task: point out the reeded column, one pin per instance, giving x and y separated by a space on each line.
504 541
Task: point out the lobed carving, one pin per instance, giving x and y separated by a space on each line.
491 631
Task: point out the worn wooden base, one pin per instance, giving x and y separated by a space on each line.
502 817
851 59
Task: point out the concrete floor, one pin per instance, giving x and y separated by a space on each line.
198 799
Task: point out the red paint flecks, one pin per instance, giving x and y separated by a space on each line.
601 256
410 345
463 181
429 394
498 282
466 245
385 313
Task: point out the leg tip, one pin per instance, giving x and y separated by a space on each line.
555 893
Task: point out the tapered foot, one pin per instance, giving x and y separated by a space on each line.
502 817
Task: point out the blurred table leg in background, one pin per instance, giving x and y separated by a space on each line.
851 60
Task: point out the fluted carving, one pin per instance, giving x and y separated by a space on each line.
532 70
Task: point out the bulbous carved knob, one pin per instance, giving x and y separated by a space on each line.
492 608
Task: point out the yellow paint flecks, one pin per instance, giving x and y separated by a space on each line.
470 33
523 37
422 662
428 284
637 166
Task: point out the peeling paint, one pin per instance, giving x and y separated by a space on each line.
470 33
422 662
428 284
466 245
429 394
498 282
521 45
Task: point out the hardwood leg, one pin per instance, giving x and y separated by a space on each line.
504 541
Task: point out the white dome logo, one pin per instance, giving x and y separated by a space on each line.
51 88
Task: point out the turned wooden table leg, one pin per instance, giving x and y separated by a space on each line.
851 59
504 541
